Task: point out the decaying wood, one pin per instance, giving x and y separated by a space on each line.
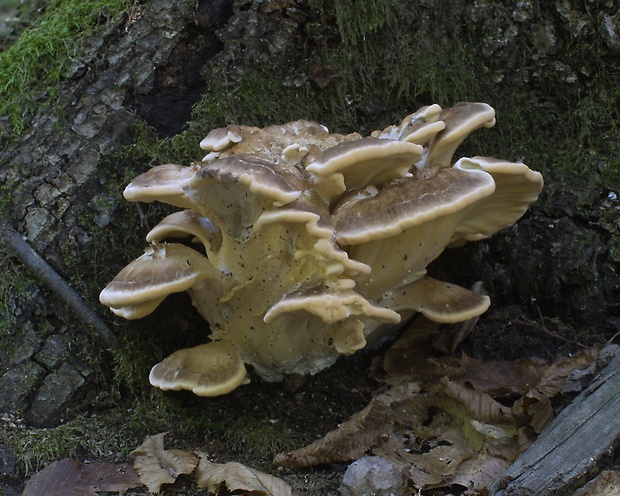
568 452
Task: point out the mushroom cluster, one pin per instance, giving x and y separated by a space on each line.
300 243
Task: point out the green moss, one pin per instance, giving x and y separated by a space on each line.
147 149
54 41
252 100
258 439
611 173
90 437
15 281
357 19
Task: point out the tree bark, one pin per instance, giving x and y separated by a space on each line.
65 175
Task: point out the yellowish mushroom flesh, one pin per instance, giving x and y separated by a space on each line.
314 240
210 369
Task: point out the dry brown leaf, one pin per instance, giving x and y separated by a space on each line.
158 466
538 407
480 471
72 478
500 378
536 400
355 436
412 359
437 467
446 421
234 476
479 405
607 483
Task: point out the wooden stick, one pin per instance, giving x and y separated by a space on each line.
55 282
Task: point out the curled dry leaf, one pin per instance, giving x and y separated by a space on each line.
158 466
358 434
233 476
446 420
72 478
536 400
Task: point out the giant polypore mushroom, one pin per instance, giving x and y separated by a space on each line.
300 243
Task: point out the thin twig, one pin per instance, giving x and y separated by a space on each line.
55 282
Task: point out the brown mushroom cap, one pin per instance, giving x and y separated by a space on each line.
417 128
355 164
210 369
137 310
187 223
461 120
421 217
418 216
372 214
516 188
163 269
277 183
422 132
437 300
216 141
332 304
163 183
274 143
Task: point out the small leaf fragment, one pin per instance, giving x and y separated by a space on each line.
157 466
234 476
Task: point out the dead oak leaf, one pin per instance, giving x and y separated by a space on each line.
362 431
158 466
234 476
72 478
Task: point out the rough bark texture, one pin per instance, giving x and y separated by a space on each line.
59 172
548 70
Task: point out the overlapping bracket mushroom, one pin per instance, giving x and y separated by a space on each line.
296 244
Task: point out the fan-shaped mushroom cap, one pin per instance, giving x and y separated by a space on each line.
163 269
460 120
419 217
187 223
223 137
137 310
516 188
331 304
286 143
437 300
210 369
355 164
163 183
372 214
418 127
216 141
280 185
422 132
